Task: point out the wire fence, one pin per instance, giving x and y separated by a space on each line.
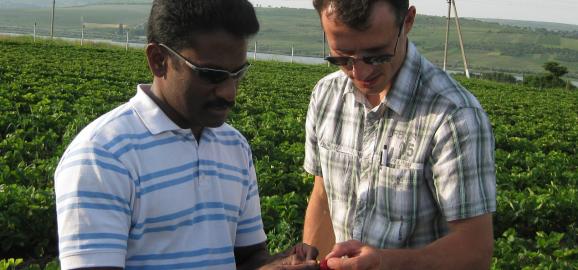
122 36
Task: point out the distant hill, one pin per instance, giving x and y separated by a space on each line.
64 3
21 4
490 45
561 27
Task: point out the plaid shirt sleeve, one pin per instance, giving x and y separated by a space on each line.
463 164
312 160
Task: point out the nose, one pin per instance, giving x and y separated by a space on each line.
227 89
361 70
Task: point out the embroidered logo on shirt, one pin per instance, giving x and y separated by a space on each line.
404 145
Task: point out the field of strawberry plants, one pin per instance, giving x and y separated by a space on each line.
50 91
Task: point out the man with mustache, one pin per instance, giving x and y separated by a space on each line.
162 182
403 156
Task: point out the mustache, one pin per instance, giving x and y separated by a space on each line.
219 103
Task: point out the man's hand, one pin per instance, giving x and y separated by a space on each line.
300 256
469 245
353 254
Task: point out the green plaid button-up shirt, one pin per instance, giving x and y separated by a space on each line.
397 173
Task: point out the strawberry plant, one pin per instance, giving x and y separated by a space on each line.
50 91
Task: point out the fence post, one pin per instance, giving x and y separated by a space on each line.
292 53
52 20
324 44
126 40
82 36
34 35
255 51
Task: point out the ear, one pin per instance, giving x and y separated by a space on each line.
157 60
409 19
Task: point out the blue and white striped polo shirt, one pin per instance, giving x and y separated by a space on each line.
134 190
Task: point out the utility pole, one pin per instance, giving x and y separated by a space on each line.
52 20
324 42
459 29
447 33
461 41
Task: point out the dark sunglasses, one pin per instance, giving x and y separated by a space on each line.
212 75
370 60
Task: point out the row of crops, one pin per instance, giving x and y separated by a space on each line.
49 92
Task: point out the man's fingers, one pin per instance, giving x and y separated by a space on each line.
305 252
312 253
344 263
304 266
292 262
349 248
307 265
300 256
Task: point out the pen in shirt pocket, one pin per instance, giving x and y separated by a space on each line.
384 155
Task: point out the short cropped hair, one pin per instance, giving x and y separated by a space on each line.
355 13
177 22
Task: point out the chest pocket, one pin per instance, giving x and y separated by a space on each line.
339 166
397 199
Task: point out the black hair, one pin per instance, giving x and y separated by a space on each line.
177 22
356 13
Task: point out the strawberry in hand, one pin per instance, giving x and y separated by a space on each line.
323 265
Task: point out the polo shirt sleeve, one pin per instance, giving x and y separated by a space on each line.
94 191
312 162
463 166
250 229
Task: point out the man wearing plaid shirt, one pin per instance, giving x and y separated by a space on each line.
403 156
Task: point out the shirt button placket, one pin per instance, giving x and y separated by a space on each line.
364 186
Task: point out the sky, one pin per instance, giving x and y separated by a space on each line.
559 11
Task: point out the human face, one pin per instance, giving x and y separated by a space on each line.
202 89
367 49
376 60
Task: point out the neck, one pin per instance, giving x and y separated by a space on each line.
374 100
156 95
197 132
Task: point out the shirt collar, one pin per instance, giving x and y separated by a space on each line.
154 119
406 82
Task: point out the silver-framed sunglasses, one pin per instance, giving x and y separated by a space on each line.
211 75
370 60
